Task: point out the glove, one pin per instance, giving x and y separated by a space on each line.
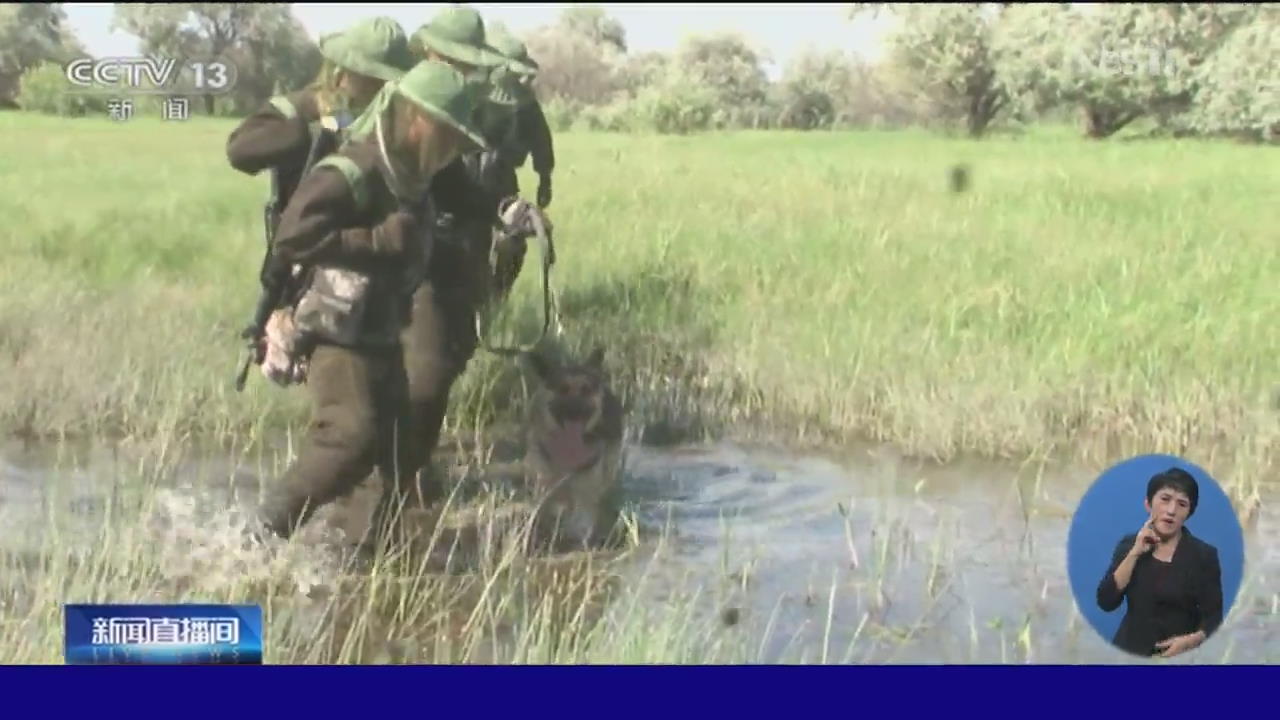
516 215
392 236
544 191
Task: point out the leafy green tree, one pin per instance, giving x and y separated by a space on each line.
591 22
43 89
1116 62
1239 85
32 34
945 53
730 68
267 44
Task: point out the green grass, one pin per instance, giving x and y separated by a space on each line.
1081 296
1082 301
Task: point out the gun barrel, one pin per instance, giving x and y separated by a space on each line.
268 300
243 375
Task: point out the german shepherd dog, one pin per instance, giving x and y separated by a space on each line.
574 451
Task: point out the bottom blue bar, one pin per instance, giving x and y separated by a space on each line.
787 691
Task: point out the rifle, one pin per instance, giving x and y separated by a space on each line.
272 287
274 280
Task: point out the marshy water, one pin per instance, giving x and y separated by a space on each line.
865 557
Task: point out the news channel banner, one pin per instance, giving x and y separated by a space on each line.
170 81
185 634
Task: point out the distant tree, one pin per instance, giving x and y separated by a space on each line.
273 63
727 65
944 52
573 67
812 87
1239 85
676 103
1116 62
265 41
32 34
591 22
43 89
643 70
581 56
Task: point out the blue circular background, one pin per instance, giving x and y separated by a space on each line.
1113 508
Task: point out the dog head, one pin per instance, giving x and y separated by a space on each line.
574 393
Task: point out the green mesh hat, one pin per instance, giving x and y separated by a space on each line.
376 47
513 48
458 33
446 95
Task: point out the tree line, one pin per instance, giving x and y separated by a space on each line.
1182 68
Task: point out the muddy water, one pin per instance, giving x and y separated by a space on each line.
862 558
869 558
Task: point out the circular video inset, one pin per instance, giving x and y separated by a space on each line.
1155 556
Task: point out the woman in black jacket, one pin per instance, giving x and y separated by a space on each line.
1172 579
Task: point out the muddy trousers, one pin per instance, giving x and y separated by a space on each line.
360 421
438 343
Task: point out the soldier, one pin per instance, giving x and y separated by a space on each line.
356 222
441 339
291 131
356 64
527 133
515 127
456 35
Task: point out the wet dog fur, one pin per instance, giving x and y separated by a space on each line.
574 453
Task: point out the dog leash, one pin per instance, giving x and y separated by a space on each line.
546 249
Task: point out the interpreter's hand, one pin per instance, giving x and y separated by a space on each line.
1146 540
544 191
1179 644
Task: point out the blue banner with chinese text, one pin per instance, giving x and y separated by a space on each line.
163 635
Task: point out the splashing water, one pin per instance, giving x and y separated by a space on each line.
212 552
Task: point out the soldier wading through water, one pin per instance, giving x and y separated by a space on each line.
287 136
358 224
441 338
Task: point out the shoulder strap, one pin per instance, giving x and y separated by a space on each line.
284 106
355 179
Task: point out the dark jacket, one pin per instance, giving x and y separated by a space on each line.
1165 599
322 225
272 139
525 134
534 139
457 193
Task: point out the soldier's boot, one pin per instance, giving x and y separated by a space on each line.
404 517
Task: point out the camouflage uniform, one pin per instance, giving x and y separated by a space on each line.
350 214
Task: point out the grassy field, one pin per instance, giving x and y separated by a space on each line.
1081 301
816 285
